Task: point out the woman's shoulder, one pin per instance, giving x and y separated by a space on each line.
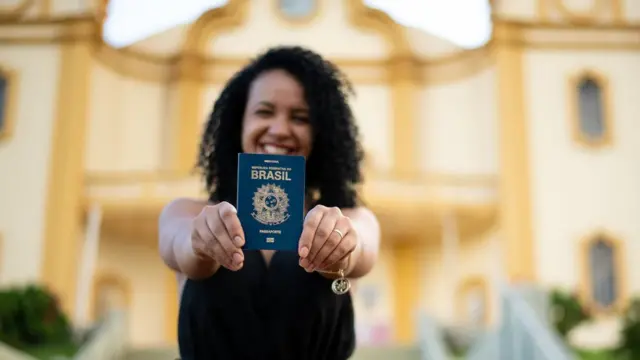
358 211
184 206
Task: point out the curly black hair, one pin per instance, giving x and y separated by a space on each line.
333 166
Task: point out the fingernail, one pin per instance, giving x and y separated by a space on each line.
237 241
304 263
304 251
237 258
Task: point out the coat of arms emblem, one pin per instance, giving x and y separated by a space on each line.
270 205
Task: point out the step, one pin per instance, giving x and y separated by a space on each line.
362 353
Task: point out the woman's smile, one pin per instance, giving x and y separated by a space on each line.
276 149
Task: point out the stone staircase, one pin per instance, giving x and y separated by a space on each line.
387 353
364 353
152 354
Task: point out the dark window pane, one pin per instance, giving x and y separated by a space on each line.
4 91
590 109
297 8
603 276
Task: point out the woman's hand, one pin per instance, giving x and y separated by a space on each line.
218 235
327 241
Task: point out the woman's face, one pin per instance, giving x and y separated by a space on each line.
276 118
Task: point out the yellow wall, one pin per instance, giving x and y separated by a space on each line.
631 10
382 311
24 160
140 267
441 285
581 190
458 126
127 120
372 107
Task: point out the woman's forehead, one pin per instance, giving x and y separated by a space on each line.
275 85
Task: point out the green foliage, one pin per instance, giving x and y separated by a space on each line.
566 312
31 316
630 332
598 355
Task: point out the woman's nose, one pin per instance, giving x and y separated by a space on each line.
280 126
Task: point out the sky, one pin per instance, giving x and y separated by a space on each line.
469 28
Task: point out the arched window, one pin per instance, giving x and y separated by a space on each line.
7 103
603 275
297 9
592 121
473 301
110 292
603 288
590 110
4 87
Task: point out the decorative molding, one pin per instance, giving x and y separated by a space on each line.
573 101
15 11
600 11
147 193
446 69
9 113
620 268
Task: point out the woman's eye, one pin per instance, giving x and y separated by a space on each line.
264 112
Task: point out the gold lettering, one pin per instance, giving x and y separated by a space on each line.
270 231
279 175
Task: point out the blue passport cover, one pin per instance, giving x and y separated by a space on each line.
270 200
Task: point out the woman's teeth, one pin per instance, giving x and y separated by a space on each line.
276 150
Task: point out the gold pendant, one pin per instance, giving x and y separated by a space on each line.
341 285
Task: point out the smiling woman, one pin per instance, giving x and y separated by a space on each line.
289 101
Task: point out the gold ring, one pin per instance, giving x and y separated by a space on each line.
339 233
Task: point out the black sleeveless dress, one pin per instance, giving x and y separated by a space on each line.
279 312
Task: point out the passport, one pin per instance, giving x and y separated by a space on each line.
270 200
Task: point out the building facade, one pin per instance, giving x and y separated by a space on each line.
518 161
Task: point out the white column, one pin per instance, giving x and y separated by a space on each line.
498 274
86 270
450 240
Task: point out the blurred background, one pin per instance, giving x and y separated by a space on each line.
503 162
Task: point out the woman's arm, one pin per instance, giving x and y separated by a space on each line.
365 255
175 227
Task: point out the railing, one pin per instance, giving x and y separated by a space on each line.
109 341
430 339
486 348
523 334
